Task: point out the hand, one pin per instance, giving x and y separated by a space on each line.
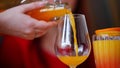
15 22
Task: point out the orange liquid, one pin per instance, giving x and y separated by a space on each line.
107 53
74 33
72 60
47 14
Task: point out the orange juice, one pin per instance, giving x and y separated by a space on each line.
74 33
107 53
48 14
106 46
72 60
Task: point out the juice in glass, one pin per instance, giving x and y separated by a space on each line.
106 46
72 60
70 46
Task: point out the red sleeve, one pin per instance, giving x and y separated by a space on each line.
19 53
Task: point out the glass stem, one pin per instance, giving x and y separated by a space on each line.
72 66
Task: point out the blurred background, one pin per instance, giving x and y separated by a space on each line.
99 14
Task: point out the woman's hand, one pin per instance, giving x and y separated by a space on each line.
15 22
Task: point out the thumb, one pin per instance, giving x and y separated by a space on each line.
31 6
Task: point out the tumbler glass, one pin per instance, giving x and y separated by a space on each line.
106 46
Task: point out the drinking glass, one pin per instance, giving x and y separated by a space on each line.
106 46
73 44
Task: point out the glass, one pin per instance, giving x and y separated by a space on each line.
106 46
72 45
52 11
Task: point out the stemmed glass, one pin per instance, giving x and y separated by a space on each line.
73 44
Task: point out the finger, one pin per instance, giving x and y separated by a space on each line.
31 6
43 25
52 23
39 33
29 37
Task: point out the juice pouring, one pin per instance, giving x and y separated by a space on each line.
48 13
56 9
59 9
71 50
76 59
107 48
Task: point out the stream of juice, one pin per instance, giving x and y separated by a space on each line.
107 53
74 33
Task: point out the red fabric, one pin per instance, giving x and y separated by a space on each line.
19 53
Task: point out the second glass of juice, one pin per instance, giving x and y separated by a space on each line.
106 46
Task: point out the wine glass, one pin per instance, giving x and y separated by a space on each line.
73 44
